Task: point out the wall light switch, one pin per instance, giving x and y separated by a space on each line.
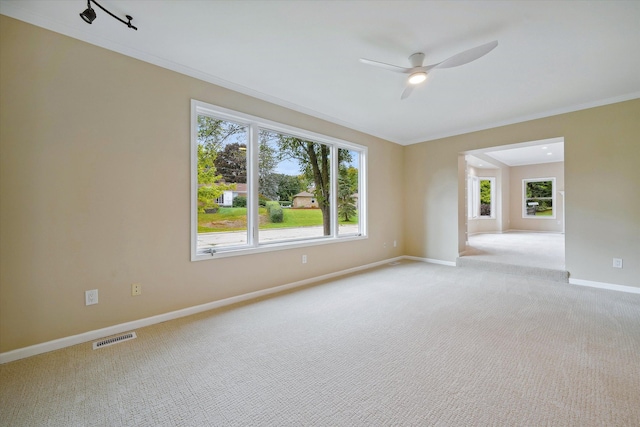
617 263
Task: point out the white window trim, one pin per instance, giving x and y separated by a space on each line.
473 197
473 193
553 198
255 124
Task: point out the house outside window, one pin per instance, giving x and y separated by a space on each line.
259 185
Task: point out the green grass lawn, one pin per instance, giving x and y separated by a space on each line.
548 212
235 219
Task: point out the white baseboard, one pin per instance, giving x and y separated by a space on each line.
487 232
45 347
430 260
515 230
601 285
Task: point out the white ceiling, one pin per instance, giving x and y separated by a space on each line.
530 155
552 57
526 153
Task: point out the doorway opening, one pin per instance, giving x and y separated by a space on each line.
513 205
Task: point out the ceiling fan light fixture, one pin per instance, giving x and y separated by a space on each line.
417 78
418 71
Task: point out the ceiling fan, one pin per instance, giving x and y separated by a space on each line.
418 72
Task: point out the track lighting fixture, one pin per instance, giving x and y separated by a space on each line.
89 15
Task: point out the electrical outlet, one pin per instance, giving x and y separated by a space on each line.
617 263
304 259
395 244
91 297
136 289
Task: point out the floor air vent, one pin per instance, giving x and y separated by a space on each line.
114 340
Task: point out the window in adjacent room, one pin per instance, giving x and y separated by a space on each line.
481 197
538 198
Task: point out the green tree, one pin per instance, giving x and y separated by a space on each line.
485 197
305 182
314 161
231 163
352 176
267 162
346 201
541 192
212 136
539 189
485 191
288 186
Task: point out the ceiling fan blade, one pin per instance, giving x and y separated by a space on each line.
407 91
467 56
385 66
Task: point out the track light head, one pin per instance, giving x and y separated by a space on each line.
88 15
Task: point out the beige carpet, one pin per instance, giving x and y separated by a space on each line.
517 247
413 344
524 253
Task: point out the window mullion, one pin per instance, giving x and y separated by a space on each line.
334 189
253 204
362 193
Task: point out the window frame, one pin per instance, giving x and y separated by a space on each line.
473 197
255 124
552 198
473 193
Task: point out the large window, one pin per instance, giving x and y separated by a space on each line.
539 198
259 185
481 197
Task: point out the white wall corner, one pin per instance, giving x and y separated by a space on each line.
431 260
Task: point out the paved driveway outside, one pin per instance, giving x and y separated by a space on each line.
271 235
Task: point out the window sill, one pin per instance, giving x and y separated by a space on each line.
271 247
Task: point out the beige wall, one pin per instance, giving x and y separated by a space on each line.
95 179
602 153
546 170
94 191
